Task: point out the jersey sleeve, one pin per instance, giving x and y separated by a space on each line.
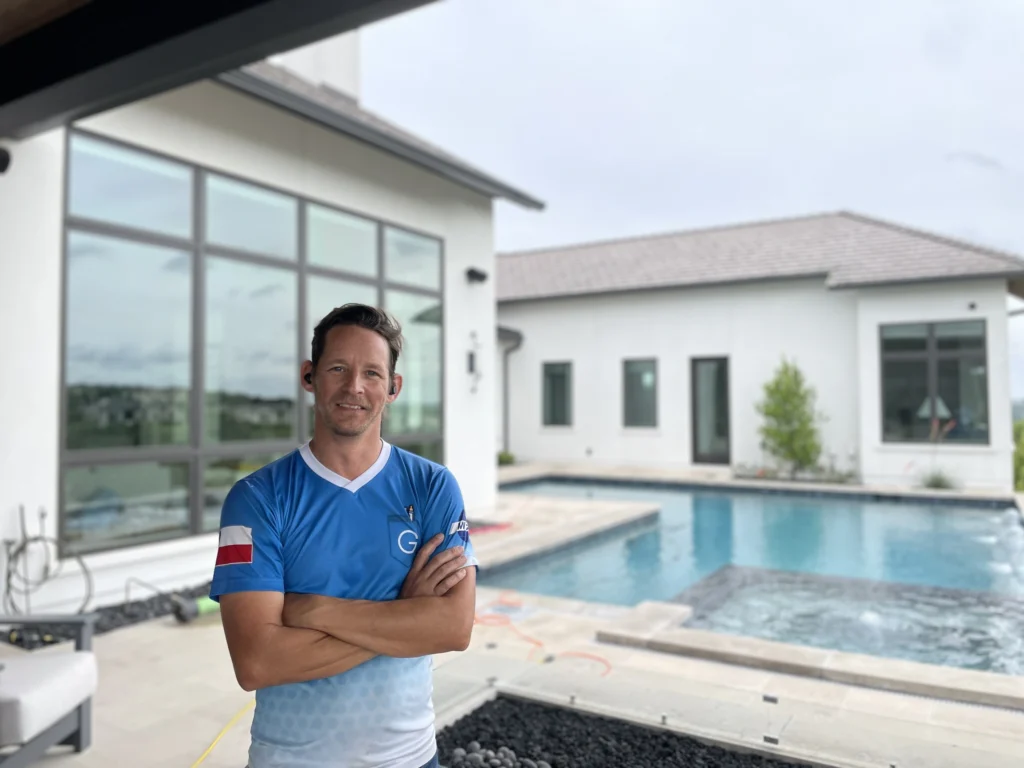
249 553
447 514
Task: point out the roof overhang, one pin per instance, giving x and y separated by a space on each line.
68 59
287 99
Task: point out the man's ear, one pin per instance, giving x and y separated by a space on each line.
396 387
306 372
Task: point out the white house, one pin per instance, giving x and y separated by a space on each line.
655 350
161 267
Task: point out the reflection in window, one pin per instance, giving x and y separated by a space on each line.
431 450
128 343
412 259
110 505
251 366
250 218
117 185
935 389
220 476
557 394
341 241
324 294
640 393
905 403
418 407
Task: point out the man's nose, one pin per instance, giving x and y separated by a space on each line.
352 383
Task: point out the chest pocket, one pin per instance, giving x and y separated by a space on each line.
403 539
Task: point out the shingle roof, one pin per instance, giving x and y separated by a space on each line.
847 250
340 112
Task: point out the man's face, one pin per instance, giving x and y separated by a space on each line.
351 381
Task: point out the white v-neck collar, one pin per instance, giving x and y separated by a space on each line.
343 482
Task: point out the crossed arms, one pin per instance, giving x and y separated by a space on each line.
275 639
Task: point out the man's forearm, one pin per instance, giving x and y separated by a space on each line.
289 655
416 626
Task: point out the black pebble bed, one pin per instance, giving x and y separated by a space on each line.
512 733
108 618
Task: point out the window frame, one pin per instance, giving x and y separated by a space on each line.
625 383
931 356
544 366
197 452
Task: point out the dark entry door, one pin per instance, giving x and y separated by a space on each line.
709 392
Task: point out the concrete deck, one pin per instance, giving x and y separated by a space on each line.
721 478
166 692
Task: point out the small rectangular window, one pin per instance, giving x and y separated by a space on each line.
557 394
640 393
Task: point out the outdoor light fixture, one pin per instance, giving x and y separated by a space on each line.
5 160
474 275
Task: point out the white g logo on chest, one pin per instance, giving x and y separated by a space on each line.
407 541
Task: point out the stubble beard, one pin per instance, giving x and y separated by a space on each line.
354 431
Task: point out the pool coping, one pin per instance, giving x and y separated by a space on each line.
620 476
655 626
561 541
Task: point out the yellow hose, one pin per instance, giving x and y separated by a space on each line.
231 723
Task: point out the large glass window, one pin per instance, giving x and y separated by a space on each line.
342 241
109 505
412 259
557 388
251 358
935 382
640 393
190 301
128 345
418 409
116 185
249 218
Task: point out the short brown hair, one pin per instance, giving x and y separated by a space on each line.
364 316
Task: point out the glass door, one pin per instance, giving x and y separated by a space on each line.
709 391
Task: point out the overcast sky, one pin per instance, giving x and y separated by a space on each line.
636 116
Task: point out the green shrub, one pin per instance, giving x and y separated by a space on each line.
937 479
790 429
505 458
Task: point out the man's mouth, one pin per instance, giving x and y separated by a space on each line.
350 407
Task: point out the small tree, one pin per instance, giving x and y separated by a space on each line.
790 429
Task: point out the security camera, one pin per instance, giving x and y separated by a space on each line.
5 160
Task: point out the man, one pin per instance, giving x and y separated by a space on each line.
341 568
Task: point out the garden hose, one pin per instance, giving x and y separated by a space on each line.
231 724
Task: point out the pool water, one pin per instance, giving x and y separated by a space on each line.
969 550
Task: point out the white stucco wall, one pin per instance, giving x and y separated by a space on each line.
832 335
216 127
988 467
753 325
30 300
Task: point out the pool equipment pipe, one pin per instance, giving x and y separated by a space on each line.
188 608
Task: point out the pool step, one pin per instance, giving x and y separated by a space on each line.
646 628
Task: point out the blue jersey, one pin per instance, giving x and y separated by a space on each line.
297 526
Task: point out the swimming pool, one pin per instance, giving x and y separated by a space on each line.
953 574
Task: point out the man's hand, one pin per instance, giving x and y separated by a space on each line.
434 577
